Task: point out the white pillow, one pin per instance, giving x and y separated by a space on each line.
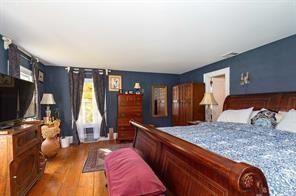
280 115
288 123
236 116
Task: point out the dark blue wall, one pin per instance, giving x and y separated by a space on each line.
56 82
3 57
272 68
146 80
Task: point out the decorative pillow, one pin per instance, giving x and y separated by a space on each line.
254 113
236 116
128 174
288 123
264 118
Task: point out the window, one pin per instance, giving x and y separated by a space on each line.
87 102
89 120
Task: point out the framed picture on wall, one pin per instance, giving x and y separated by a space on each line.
115 82
41 76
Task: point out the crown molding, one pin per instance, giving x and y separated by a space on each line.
7 42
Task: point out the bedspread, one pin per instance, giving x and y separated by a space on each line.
271 150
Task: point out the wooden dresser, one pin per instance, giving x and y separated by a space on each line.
186 99
21 163
129 107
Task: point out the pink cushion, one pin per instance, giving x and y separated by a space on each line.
129 175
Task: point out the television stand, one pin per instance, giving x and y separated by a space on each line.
20 153
3 127
10 125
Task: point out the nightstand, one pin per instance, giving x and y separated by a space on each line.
196 122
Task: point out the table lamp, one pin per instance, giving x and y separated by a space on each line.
209 100
137 87
47 99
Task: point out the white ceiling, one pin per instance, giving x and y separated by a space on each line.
144 35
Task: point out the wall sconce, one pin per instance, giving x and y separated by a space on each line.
244 79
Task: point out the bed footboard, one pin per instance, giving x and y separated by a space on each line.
187 169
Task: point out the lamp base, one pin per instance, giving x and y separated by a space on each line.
138 91
209 115
47 111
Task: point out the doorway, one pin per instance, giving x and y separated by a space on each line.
218 82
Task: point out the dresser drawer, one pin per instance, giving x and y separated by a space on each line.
127 134
25 140
129 100
125 121
135 114
130 109
126 129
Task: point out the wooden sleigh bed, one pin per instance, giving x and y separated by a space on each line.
187 169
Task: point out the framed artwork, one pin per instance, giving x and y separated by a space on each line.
41 76
115 82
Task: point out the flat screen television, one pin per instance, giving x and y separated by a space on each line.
16 100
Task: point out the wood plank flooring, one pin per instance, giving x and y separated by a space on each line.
63 174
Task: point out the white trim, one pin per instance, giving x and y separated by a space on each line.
6 42
207 79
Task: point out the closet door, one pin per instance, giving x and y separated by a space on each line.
187 103
176 105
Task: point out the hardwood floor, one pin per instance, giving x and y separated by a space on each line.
63 174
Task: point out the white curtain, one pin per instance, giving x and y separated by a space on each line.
97 118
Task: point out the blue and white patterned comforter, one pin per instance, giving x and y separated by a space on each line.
271 150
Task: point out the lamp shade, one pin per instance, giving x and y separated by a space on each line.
47 99
208 99
137 85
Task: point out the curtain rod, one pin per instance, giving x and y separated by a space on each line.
88 69
24 53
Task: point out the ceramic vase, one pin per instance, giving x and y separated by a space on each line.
50 147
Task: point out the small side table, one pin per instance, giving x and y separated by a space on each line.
195 122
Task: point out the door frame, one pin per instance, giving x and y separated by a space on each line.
225 71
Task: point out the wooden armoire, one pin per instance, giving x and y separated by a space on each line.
129 107
186 99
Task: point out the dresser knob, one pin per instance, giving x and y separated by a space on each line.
14 177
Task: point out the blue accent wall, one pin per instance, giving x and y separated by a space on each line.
272 68
57 82
3 57
146 80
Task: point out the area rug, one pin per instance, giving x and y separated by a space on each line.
95 158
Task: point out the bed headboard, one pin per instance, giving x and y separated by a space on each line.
273 101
